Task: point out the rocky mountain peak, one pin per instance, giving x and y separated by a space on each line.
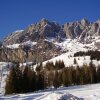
45 36
84 22
49 29
44 20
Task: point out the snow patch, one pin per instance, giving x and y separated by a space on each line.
30 43
13 46
57 96
18 31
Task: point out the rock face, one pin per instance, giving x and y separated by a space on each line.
0 44
42 51
46 29
83 30
45 33
13 37
35 32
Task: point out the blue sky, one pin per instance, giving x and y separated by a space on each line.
18 14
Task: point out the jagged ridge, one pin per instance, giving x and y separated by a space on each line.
83 30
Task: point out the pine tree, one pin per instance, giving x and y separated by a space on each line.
10 82
98 74
33 82
75 62
70 75
73 75
50 78
26 81
39 67
59 65
31 77
77 75
56 81
18 78
82 76
14 80
40 81
62 64
92 69
65 76
49 66
60 77
86 74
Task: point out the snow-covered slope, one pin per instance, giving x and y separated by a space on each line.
82 92
15 46
71 47
73 37
57 96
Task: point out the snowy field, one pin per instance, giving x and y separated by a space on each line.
83 92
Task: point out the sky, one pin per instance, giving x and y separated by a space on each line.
18 14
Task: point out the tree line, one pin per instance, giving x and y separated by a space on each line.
94 55
23 80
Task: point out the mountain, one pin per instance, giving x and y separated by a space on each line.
48 41
83 30
35 32
45 37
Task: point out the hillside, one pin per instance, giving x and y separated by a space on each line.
37 41
47 41
83 92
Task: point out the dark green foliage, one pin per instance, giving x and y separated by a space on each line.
29 80
50 77
14 80
98 73
65 77
26 80
10 82
94 55
40 81
75 62
33 83
56 81
60 78
70 75
77 75
18 79
58 65
92 69
49 66
85 74
39 67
